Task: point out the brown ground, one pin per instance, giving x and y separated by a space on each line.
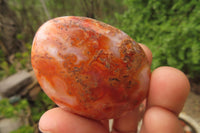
192 106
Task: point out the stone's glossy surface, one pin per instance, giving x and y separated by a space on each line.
90 68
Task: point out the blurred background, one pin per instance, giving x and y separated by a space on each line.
170 28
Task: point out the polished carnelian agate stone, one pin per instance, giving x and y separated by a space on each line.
90 68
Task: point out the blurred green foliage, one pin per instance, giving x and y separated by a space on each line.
171 29
20 109
26 110
9 110
18 61
6 69
40 105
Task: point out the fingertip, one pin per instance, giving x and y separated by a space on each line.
175 76
58 120
169 88
45 123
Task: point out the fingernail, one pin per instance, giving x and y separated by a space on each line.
43 131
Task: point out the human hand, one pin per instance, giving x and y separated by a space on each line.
168 91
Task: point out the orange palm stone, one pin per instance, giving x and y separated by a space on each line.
90 68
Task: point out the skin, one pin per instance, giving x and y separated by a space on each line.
168 91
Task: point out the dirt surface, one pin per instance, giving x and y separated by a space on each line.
192 106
